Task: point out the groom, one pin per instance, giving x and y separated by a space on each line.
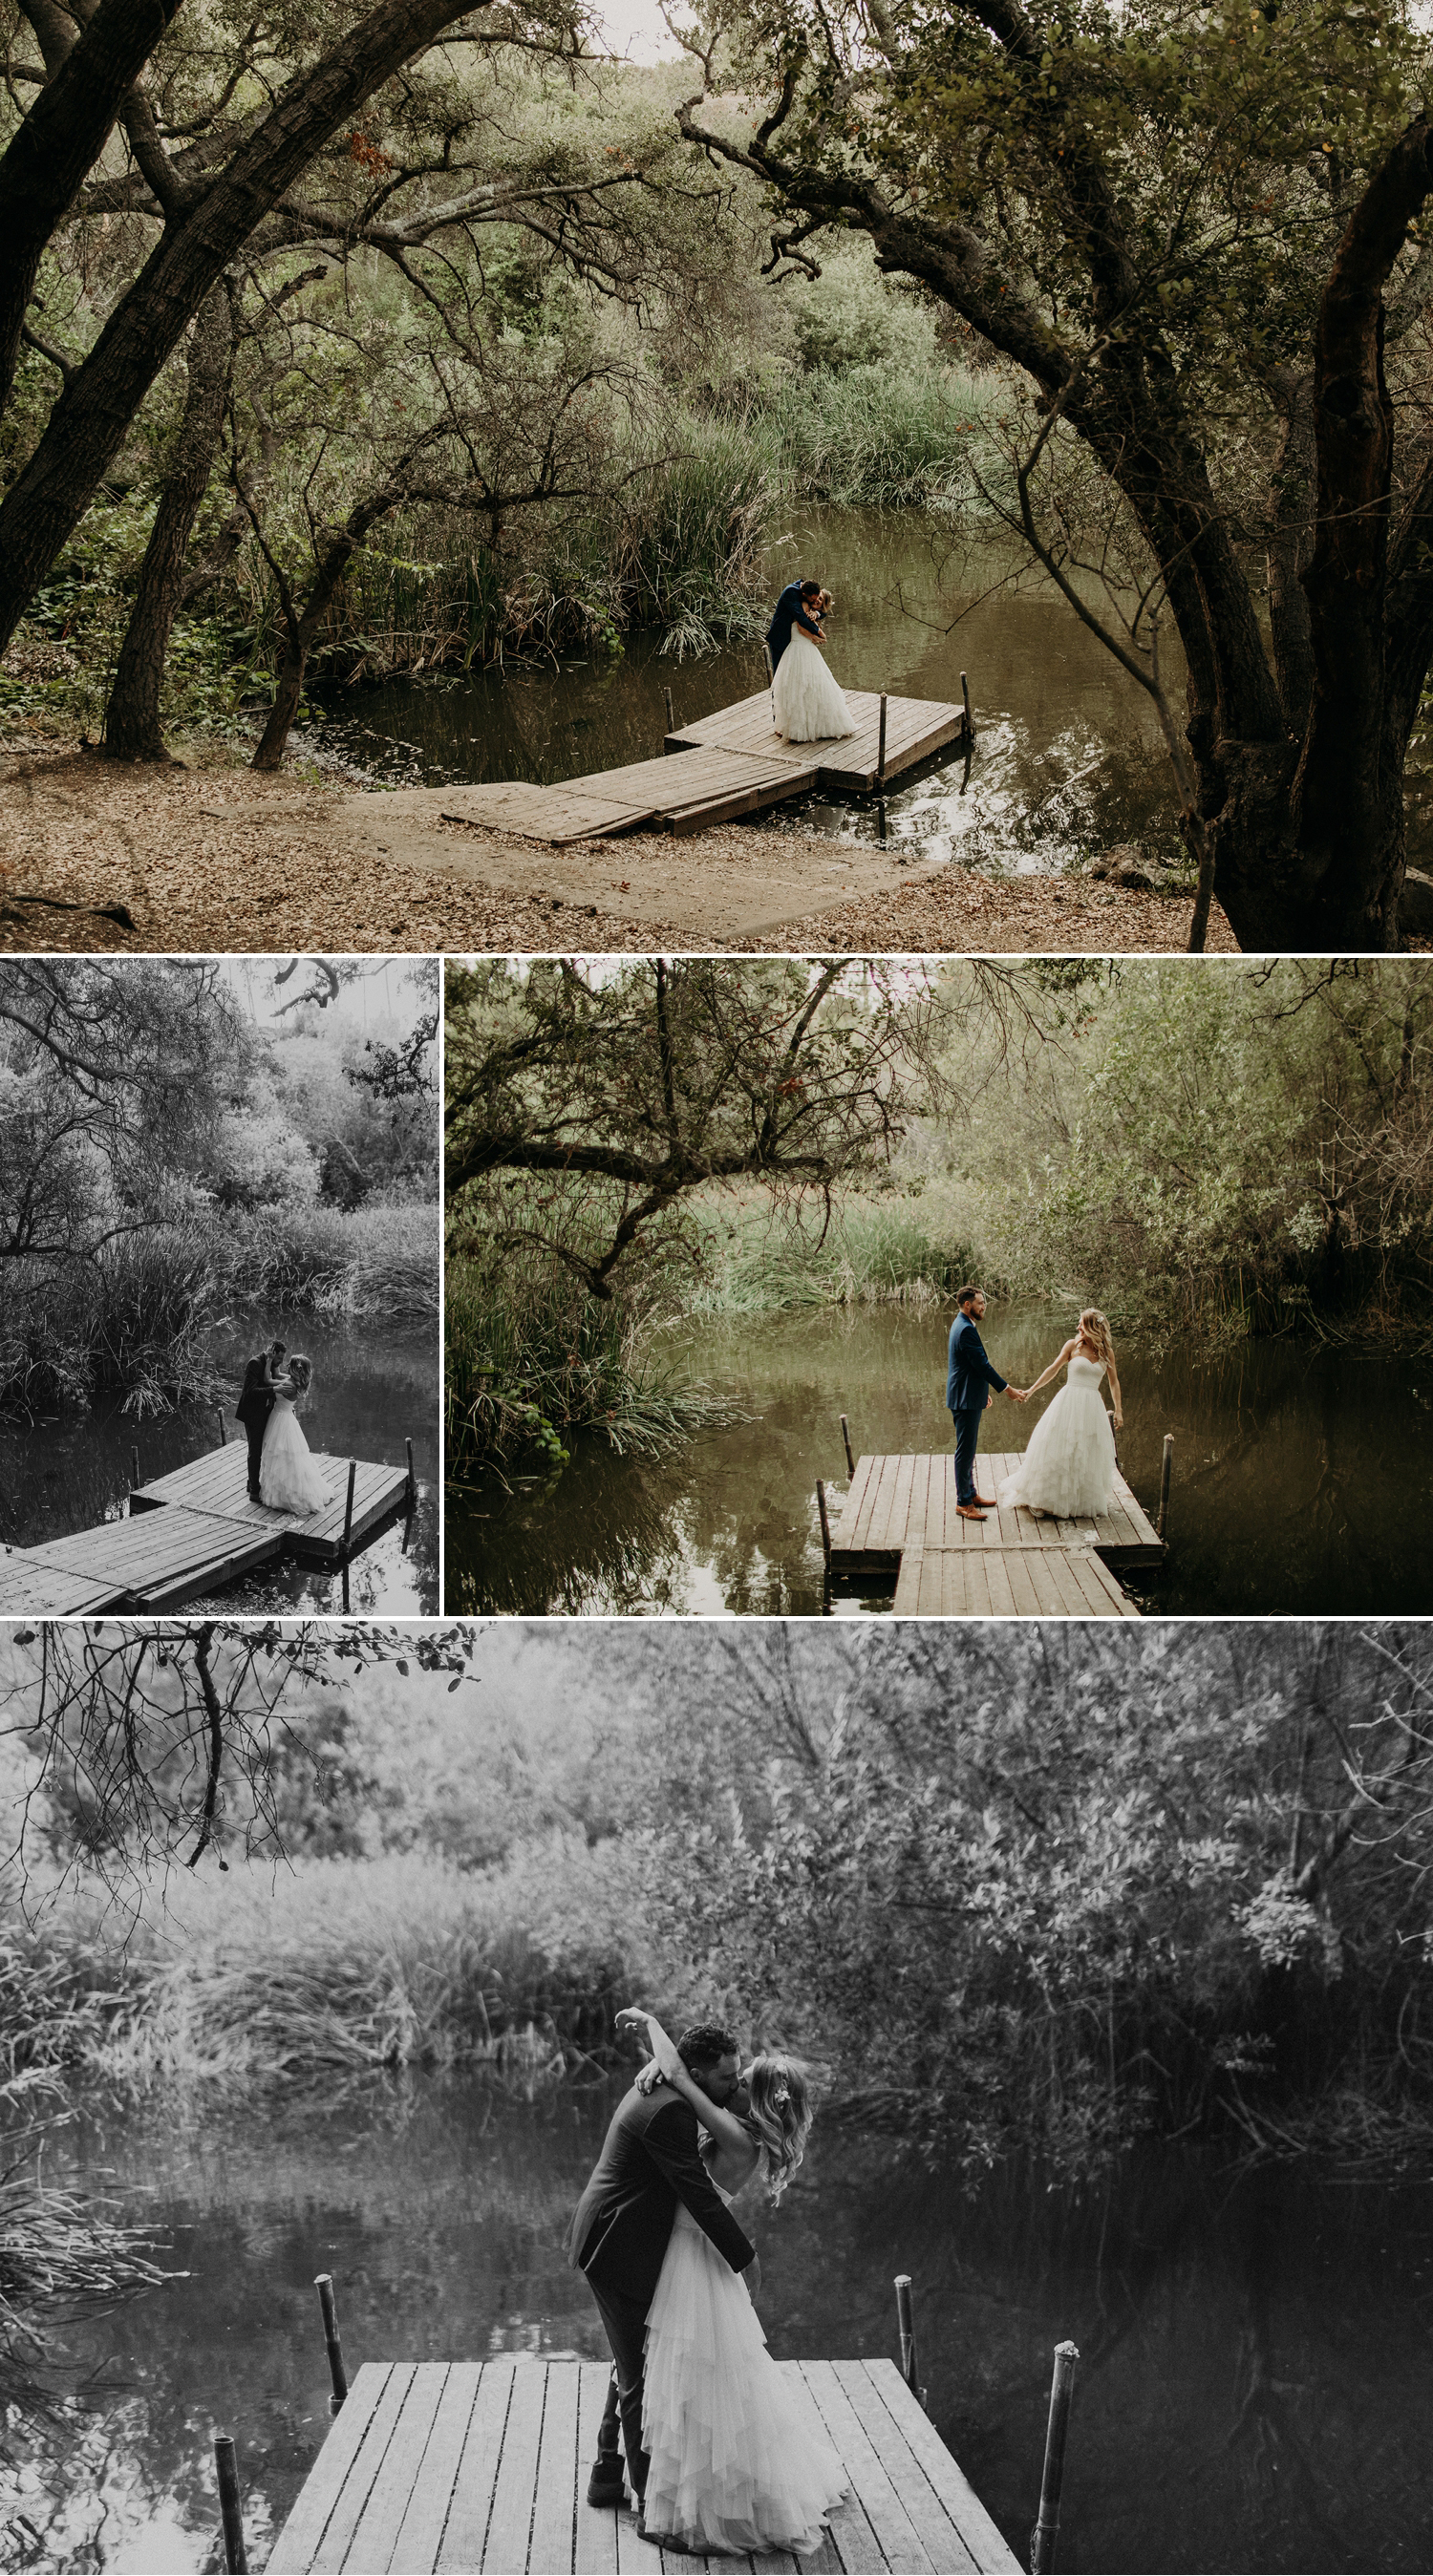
618 2237
970 1385
795 607
256 1403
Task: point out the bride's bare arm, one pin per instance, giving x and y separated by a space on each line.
729 2135
1057 1363
1115 1392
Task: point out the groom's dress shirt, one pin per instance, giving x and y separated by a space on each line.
789 613
649 2162
968 1371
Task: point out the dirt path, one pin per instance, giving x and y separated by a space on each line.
214 859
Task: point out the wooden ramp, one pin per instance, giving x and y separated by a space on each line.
192 1531
477 2466
729 764
900 1518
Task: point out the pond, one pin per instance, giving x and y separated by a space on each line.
375 1385
1303 1476
1251 2391
1068 755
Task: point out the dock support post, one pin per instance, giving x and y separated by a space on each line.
965 702
1165 1473
227 2470
850 1456
219 1418
1047 2527
881 748
412 1480
905 2325
323 2283
348 1507
671 719
133 1470
825 1524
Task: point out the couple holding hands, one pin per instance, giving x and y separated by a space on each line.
1069 1467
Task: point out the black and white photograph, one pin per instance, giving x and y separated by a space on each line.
220 1232
931 2096
1084 1287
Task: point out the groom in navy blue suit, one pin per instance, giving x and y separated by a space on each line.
970 1385
795 607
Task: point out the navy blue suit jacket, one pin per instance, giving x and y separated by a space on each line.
968 1372
789 613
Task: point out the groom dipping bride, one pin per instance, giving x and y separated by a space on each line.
719 2453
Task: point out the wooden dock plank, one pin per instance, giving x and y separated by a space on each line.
466 2528
595 2548
332 2552
915 729
505 2546
217 1482
852 2531
901 2543
898 1513
293 2551
30 1580
559 2468
161 1559
421 2531
896 1497
402 2474
887 2431
989 2549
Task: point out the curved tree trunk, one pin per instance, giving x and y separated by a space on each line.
132 729
302 625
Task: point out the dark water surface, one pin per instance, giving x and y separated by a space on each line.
1068 754
1252 2389
375 1385
1303 1476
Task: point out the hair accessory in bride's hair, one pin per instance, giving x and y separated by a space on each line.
781 2098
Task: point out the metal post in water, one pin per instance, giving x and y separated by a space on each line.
133 1468
846 1436
1165 1473
965 702
671 719
825 1524
323 2283
905 2324
1047 2526
412 1480
226 2468
348 1507
881 747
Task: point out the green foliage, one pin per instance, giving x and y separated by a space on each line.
755 1257
887 439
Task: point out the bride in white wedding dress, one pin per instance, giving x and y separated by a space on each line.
734 2462
1069 1467
805 700
289 1480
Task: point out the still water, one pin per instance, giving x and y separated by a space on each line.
375 1384
1068 754
1303 1477
1252 2384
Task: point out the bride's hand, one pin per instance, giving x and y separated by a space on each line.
664 2053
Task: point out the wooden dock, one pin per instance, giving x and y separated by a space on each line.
730 763
900 1518
477 2466
190 1532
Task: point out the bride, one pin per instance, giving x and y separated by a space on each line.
1069 1467
807 704
289 1480
734 2464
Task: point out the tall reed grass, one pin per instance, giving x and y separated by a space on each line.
882 437
758 1257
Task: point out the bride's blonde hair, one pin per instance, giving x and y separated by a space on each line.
780 2116
1096 1330
301 1371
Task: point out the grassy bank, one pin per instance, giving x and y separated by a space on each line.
138 1322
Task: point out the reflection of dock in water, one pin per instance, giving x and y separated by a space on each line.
190 1532
900 1519
730 763
483 2465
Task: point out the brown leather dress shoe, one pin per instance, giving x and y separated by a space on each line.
970 1512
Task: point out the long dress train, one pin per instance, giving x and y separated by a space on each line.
734 2463
805 700
1069 1467
289 1481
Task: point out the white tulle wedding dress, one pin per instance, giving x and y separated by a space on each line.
734 2463
805 700
1069 1467
289 1481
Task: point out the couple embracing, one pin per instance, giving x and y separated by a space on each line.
719 2452
283 1474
